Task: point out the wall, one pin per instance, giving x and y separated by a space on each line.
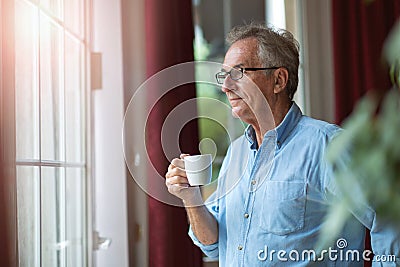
110 211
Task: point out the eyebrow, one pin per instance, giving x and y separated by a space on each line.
236 66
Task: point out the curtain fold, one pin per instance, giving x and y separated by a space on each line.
169 41
359 31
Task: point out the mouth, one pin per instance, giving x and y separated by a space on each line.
235 101
232 97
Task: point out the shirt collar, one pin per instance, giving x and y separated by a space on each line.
250 135
282 131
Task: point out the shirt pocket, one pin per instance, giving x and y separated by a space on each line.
283 207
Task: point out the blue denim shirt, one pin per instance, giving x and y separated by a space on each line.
271 202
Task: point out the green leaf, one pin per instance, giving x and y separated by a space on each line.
370 175
392 45
391 51
333 224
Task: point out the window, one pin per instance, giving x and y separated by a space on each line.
212 20
51 136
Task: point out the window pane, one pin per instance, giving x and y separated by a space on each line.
26 80
74 95
76 218
52 90
54 7
28 193
74 16
54 240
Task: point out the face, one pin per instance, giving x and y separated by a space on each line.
250 96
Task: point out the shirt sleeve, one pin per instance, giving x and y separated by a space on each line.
385 237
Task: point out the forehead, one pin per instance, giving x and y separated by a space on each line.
242 52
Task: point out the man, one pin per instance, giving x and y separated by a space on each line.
274 187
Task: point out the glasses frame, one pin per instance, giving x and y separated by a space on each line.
242 70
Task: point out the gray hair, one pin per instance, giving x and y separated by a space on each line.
276 48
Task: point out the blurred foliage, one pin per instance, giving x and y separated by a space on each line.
366 156
201 49
391 52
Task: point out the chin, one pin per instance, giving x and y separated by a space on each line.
235 115
243 115
239 114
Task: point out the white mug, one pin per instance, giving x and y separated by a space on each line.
198 169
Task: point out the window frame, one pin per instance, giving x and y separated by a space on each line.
9 255
8 205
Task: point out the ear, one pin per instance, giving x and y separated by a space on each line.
281 77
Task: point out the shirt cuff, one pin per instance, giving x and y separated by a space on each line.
210 250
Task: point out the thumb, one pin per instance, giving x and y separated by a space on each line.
184 155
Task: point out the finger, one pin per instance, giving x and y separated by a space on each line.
182 156
170 167
176 189
177 172
178 163
176 180
168 173
178 186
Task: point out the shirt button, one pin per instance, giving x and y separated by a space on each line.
246 215
240 247
253 182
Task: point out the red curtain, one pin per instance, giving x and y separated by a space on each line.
359 30
169 41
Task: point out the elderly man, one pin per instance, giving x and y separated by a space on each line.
274 187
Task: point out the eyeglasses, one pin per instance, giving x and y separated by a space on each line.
237 73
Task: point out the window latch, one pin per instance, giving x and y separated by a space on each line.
99 242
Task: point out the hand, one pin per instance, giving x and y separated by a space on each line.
178 184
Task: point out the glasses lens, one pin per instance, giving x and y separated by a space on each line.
236 74
221 77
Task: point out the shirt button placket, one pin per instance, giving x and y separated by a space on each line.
253 185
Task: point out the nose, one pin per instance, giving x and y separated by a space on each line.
228 85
